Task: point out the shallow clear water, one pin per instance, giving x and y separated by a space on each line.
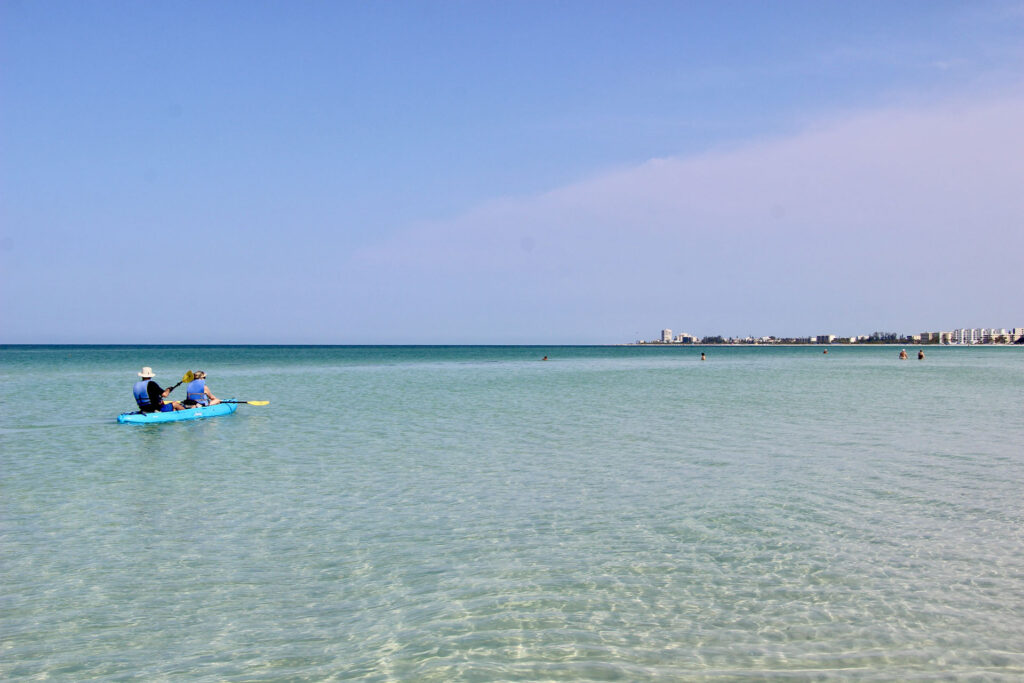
474 514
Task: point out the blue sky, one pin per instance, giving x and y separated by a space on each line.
507 172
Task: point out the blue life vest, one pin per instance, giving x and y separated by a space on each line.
141 391
196 392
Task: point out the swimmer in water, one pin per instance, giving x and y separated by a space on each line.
903 354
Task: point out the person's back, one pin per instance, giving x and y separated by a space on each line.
142 397
197 393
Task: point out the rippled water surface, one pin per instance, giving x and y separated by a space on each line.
475 514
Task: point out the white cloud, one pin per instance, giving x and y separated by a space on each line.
823 228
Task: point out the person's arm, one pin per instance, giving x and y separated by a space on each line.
209 393
156 394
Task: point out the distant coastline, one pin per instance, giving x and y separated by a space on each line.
988 336
680 345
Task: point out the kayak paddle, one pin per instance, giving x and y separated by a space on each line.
252 403
187 377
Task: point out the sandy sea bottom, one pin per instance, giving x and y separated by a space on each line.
476 514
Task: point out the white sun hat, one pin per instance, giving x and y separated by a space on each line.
147 372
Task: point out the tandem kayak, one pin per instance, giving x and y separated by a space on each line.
178 415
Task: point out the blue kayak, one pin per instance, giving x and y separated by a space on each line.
178 415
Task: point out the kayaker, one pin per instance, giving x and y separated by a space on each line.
150 395
198 393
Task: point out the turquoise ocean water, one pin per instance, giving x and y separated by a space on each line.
475 514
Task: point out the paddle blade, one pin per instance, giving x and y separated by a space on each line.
258 403
188 376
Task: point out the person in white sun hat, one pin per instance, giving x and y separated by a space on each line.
150 396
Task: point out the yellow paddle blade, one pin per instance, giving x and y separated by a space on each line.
188 376
258 403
